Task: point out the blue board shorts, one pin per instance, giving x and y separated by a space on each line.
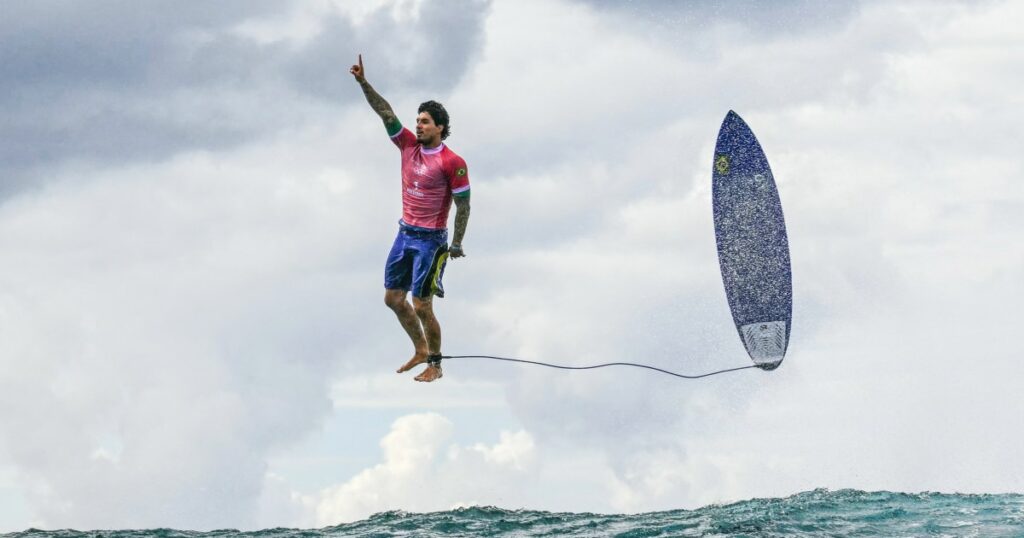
416 262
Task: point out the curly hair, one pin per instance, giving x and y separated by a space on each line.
439 115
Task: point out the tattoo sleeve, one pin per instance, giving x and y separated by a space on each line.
461 218
381 107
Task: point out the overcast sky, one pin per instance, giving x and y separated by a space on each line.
196 203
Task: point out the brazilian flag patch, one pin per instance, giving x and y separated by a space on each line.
461 172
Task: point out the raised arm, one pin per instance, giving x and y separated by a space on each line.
377 103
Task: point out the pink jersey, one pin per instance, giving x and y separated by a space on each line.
429 179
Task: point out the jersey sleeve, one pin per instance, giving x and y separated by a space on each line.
403 138
458 176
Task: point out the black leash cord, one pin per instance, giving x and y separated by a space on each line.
598 365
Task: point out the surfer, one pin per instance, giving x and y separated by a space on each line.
432 177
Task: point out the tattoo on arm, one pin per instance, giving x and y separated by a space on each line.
381 107
461 218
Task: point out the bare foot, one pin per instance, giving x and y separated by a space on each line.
432 373
419 358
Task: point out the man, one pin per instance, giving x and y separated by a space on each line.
432 176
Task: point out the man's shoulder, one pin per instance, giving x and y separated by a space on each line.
404 139
456 169
450 155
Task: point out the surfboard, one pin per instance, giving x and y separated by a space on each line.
753 248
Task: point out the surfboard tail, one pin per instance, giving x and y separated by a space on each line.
765 342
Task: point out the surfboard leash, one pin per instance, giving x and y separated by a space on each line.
563 367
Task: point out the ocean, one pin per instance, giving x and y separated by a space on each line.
814 513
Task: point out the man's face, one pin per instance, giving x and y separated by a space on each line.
426 130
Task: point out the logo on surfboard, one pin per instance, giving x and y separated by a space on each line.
722 164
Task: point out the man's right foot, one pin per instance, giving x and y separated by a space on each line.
416 360
432 373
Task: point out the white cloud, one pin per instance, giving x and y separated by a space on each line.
151 316
422 471
889 143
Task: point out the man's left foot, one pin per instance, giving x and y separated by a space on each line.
432 373
419 358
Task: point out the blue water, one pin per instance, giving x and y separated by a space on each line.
814 513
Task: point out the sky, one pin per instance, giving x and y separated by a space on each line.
196 203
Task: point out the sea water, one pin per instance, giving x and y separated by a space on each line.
814 513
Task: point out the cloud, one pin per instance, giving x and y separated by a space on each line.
388 390
422 471
115 81
891 170
140 83
687 22
421 47
158 330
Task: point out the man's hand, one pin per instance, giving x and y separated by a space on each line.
455 251
357 71
377 103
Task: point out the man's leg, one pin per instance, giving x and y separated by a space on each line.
432 329
395 299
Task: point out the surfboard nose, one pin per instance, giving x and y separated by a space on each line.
734 135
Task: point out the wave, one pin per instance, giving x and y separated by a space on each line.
820 512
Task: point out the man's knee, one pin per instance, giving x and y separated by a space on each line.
424 309
394 299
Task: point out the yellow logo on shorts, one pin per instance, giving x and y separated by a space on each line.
722 164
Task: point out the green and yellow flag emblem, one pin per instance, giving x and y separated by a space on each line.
722 164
